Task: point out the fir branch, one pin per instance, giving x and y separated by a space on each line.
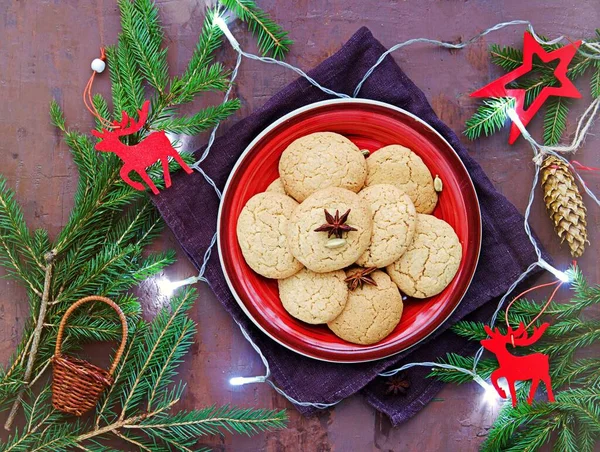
484 368
566 440
555 120
131 79
164 333
101 106
56 115
272 39
209 421
199 122
143 33
14 229
153 265
86 159
508 58
116 81
208 78
595 80
199 76
489 117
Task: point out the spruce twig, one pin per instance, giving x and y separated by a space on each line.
490 116
37 336
100 251
574 418
272 39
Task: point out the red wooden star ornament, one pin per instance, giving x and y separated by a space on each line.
566 88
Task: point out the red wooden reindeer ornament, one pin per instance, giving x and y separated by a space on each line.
534 367
154 148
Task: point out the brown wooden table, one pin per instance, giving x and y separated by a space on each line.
45 51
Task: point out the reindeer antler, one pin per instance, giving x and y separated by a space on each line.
127 125
523 339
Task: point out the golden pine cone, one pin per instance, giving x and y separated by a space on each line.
564 204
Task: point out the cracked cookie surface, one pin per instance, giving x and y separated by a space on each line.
276 187
401 167
371 312
314 297
321 160
394 223
430 262
261 232
309 246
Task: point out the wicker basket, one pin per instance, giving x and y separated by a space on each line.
77 384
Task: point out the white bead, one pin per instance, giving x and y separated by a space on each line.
98 65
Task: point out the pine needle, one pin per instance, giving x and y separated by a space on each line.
595 81
489 117
272 39
573 421
555 120
100 251
201 121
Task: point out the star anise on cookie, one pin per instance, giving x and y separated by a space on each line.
398 384
336 224
360 277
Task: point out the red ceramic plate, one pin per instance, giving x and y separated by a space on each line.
370 125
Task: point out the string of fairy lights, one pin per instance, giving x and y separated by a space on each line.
592 50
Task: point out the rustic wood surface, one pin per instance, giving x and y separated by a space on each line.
45 51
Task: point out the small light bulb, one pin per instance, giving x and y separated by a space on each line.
165 287
512 114
563 276
490 395
240 381
220 22
168 288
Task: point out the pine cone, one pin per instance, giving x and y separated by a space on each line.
564 204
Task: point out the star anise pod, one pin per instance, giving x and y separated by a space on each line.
336 225
360 277
399 384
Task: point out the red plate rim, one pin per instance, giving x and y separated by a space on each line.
361 355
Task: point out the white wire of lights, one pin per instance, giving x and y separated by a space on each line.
539 151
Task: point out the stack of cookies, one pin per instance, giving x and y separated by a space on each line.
345 233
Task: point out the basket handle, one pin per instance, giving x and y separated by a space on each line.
112 304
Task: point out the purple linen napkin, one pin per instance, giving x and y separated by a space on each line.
190 209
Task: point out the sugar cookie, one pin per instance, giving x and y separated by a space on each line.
261 232
321 160
371 312
401 167
313 248
430 262
394 223
276 187
314 297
